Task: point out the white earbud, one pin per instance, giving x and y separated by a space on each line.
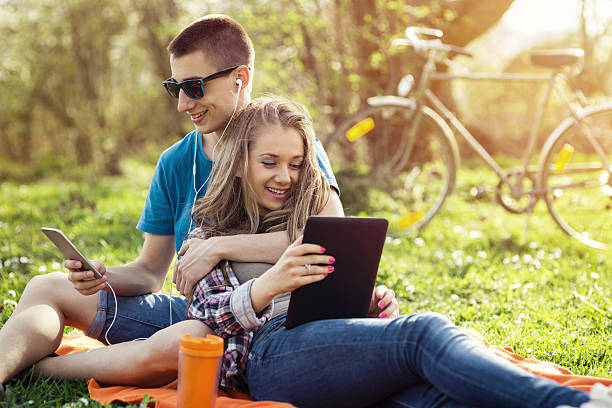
239 83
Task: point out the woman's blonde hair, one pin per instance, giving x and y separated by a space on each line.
229 206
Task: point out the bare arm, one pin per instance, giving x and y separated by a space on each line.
200 256
145 275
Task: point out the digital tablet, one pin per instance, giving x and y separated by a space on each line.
356 243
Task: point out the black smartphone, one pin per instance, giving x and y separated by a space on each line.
62 242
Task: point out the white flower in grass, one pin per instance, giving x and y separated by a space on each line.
533 245
457 254
409 289
419 241
481 254
520 318
10 302
453 298
11 275
42 268
475 234
458 229
439 254
594 275
56 265
469 259
12 293
24 259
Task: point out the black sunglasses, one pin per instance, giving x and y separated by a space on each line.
194 88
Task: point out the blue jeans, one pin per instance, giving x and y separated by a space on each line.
420 360
138 317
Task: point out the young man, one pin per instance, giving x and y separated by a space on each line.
212 70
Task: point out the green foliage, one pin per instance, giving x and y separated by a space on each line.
82 82
542 294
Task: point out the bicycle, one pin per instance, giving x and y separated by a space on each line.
416 150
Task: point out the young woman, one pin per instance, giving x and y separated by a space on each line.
268 181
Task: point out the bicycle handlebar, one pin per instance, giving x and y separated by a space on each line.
412 39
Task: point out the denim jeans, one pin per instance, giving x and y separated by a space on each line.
420 360
137 317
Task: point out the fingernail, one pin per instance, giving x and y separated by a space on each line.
382 315
381 304
330 268
325 276
322 249
332 260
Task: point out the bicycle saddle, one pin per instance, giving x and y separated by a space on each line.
557 58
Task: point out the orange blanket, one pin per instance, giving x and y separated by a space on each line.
166 396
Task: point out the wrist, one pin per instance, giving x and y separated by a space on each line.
261 293
219 248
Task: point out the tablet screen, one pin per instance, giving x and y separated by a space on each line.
356 243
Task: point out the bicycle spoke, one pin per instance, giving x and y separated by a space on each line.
370 153
578 186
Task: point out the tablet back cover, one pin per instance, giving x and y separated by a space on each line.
356 244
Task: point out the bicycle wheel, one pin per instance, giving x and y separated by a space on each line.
575 176
372 150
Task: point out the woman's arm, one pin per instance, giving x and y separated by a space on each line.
291 272
199 256
220 302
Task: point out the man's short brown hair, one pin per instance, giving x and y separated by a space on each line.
220 37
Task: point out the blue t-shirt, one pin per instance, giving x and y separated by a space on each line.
167 209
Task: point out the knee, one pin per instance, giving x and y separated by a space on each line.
427 323
44 286
162 349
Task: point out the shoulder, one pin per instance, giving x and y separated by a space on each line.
177 153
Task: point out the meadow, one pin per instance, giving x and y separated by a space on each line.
539 292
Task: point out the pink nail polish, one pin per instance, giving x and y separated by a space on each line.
382 315
330 268
381 304
322 249
325 275
332 259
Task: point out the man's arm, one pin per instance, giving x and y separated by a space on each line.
200 256
145 275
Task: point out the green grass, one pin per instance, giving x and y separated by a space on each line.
543 294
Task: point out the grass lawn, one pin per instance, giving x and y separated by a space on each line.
540 293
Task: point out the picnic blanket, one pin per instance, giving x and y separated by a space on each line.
166 397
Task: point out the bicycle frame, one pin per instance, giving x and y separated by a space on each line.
553 81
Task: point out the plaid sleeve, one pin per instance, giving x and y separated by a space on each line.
220 302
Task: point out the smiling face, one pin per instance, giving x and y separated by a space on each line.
275 160
210 113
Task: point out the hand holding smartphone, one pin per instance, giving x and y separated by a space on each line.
62 242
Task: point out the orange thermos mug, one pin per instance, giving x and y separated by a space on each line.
198 373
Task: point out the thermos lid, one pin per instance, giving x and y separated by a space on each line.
209 346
